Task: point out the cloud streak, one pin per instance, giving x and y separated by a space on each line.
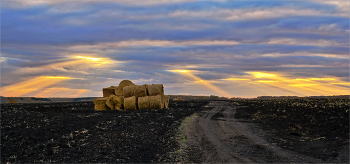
32 3
100 43
29 86
253 14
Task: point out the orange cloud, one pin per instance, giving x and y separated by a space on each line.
61 92
304 86
25 87
236 79
36 87
96 61
205 83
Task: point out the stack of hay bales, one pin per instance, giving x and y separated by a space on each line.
128 96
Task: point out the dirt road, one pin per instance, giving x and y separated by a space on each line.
216 136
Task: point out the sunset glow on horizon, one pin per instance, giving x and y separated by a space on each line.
223 48
300 87
32 85
97 61
205 83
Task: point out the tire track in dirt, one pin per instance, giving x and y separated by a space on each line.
211 128
218 137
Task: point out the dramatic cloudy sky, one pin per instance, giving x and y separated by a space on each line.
70 48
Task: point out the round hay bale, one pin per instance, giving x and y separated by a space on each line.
165 101
110 102
143 102
129 91
118 102
119 91
140 90
130 103
100 104
155 89
122 84
108 91
155 102
115 102
125 83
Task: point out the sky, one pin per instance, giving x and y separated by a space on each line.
69 48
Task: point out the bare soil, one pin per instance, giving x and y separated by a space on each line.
73 132
255 131
245 131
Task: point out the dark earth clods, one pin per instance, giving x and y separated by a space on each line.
73 132
318 128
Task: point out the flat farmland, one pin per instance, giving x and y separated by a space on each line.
72 132
315 127
244 131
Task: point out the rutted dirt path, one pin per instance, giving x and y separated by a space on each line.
216 136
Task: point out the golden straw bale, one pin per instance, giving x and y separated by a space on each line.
108 91
122 84
118 102
129 91
161 101
155 102
130 103
110 102
115 102
165 101
143 102
119 91
140 90
100 104
125 83
155 89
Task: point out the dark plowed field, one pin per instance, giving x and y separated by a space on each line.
73 132
318 128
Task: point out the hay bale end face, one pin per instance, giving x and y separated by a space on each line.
110 102
122 84
143 102
155 89
100 103
140 90
125 83
118 102
130 103
119 91
129 91
155 102
108 91
115 102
